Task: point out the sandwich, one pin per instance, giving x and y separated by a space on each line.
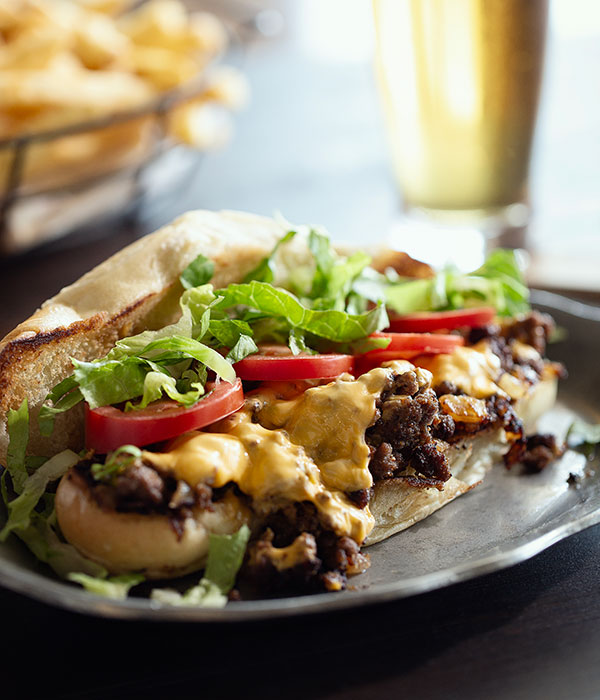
233 394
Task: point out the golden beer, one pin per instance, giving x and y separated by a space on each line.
460 84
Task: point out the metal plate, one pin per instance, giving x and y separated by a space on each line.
507 519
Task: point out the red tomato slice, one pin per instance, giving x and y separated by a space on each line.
417 344
286 367
442 320
107 428
406 346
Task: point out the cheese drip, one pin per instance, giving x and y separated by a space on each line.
475 370
309 448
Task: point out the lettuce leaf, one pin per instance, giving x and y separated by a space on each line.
331 324
334 274
225 556
115 462
583 436
205 594
20 508
18 436
63 396
197 273
498 283
265 270
45 544
116 587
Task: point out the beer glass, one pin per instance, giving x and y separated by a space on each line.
460 82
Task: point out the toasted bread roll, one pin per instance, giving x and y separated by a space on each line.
135 289
146 543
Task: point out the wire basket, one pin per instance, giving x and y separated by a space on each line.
40 204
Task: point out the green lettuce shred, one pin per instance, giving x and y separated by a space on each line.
116 462
265 270
225 556
18 435
21 508
198 272
45 544
498 282
331 324
115 587
583 436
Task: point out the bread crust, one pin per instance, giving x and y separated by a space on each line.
145 543
135 289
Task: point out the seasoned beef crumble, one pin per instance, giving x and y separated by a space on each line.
534 452
294 553
402 440
532 329
140 488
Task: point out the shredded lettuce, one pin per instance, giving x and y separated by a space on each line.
116 462
332 324
21 508
225 556
148 365
18 435
63 396
45 544
265 270
116 587
205 594
498 283
583 436
334 274
198 272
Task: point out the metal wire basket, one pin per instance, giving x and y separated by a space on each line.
31 207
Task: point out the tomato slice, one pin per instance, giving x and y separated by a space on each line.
442 320
406 346
278 366
107 428
417 344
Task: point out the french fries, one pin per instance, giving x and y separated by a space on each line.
63 62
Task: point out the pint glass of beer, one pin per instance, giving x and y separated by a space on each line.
460 82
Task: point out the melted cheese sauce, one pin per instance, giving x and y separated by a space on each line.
475 370
280 450
291 444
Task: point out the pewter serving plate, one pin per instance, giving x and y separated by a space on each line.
509 518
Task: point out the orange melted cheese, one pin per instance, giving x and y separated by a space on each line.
475 370
279 451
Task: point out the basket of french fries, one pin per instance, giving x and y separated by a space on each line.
91 93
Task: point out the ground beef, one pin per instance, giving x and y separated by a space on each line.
490 330
295 554
360 498
533 329
429 461
402 439
534 452
445 428
140 488
499 414
446 387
